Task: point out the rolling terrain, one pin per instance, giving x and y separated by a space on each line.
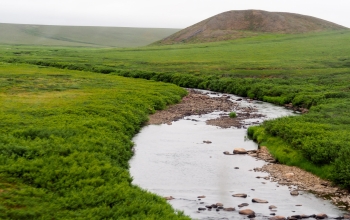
245 23
58 124
81 36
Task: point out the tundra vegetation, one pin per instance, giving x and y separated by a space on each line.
65 142
309 70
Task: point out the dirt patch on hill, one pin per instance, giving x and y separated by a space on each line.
244 23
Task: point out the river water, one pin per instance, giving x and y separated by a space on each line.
172 160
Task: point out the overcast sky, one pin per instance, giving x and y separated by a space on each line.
156 13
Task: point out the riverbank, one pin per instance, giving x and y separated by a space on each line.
197 103
303 180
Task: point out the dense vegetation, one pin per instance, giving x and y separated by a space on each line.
307 70
65 142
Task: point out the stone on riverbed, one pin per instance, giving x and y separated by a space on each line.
226 153
207 142
259 200
243 204
239 151
272 207
294 193
201 197
219 204
321 216
277 217
246 212
242 195
289 175
229 209
169 198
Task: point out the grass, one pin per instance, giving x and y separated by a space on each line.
80 36
65 142
308 70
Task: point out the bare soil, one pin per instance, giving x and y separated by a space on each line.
196 103
245 23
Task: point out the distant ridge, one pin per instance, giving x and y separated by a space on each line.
237 24
25 34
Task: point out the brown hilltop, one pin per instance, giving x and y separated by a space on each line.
238 24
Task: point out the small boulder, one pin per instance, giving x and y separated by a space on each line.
321 216
347 216
219 204
207 142
277 217
201 197
226 153
202 209
272 207
259 200
294 193
246 212
239 151
229 209
169 198
242 195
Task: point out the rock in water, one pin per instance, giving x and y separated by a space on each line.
321 216
277 217
272 207
242 195
294 193
239 151
259 200
230 209
246 212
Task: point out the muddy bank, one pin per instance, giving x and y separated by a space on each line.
303 180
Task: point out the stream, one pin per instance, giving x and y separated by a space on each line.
172 160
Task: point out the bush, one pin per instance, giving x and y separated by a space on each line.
233 115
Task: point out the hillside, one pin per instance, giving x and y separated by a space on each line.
237 24
22 34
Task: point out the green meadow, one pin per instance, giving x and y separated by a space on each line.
70 118
80 36
65 142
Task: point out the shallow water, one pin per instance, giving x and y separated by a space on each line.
172 160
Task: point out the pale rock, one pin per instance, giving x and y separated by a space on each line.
259 200
240 151
242 195
246 212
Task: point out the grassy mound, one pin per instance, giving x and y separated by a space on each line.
65 142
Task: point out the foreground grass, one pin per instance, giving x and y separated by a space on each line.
307 70
65 142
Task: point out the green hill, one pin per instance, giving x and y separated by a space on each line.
23 34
